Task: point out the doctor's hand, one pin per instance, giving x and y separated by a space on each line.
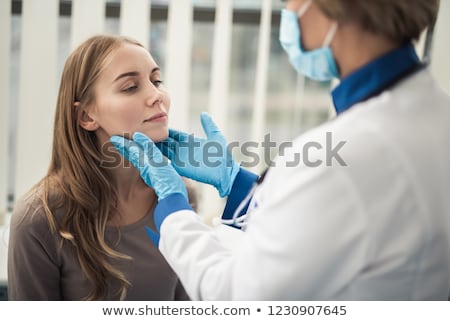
204 160
153 167
157 173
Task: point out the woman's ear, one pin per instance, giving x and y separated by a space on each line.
86 121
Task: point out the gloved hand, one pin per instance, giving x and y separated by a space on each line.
157 173
205 160
154 169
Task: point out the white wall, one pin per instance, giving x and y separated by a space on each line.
4 236
440 62
37 91
5 38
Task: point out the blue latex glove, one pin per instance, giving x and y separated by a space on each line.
204 160
157 173
154 169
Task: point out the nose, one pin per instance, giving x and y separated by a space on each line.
154 95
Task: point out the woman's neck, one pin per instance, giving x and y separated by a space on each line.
125 177
135 198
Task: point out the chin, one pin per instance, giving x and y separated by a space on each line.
158 136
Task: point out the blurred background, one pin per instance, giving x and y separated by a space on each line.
221 56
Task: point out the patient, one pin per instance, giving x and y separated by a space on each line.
79 233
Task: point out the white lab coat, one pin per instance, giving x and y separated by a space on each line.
376 229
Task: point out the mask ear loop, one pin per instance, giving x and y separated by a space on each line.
304 8
330 35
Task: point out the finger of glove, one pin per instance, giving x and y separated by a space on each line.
119 144
167 147
124 146
143 141
153 236
135 155
178 135
209 126
152 154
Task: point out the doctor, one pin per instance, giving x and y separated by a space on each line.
376 227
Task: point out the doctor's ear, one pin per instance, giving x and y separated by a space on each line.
85 120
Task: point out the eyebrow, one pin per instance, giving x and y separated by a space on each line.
134 73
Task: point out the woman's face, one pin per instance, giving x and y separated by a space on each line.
130 97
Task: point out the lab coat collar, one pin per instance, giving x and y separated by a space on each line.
375 77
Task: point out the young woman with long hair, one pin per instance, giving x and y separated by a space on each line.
79 233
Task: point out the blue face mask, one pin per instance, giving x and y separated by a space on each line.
317 64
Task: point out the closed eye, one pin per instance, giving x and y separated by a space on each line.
157 83
130 89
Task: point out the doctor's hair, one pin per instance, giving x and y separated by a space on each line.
398 20
75 181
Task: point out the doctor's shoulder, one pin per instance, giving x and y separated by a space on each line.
331 149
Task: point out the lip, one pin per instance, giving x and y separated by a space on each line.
157 117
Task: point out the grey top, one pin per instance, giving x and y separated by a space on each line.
41 267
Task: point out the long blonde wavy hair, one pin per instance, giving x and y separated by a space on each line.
75 180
